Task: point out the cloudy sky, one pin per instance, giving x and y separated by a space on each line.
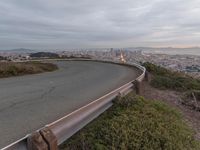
98 23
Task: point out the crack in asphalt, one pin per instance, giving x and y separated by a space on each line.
15 104
51 89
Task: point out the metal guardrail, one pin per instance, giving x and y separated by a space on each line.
65 127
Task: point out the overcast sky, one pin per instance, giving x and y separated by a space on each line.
98 23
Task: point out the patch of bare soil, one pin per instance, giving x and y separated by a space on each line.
174 99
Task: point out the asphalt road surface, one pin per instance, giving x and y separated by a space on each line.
27 103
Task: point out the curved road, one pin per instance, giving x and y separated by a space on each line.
27 103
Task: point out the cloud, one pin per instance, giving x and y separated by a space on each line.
88 23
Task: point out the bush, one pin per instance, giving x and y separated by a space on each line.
166 79
189 94
192 99
158 70
8 69
135 123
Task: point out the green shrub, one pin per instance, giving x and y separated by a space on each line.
157 70
138 124
8 69
166 79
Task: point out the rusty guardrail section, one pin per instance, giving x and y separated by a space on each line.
52 135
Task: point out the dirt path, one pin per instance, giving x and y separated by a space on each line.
192 117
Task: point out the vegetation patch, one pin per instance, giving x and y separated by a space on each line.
191 99
8 69
44 55
166 79
2 58
135 123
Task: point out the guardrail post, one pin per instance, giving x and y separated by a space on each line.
147 77
36 142
139 87
50 138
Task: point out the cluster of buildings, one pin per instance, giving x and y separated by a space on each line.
189 64
15 57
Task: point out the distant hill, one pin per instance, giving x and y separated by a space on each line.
22 50
19 50
44 55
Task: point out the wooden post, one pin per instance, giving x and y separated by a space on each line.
36 142
139 87
50 138
147 77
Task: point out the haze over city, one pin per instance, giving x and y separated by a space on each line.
49 24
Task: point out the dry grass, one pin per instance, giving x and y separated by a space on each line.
8 69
